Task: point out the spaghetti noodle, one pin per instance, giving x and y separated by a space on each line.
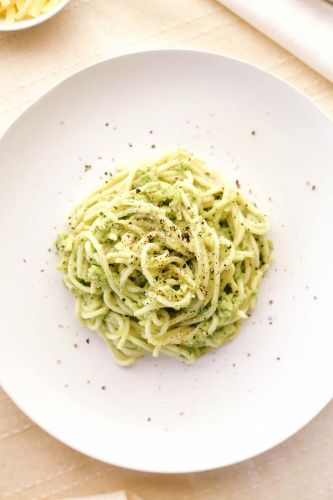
164 258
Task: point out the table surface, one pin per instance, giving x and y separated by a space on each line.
33 465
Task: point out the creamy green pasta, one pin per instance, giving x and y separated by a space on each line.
164 258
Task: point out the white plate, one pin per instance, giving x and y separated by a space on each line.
29 23
161 415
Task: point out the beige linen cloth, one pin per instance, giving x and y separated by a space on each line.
117 495
35 466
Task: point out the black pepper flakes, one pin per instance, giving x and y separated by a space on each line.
88 340
153 146
253 132
106 124
75 346
148 419
87 168
103 387
313 188
238 183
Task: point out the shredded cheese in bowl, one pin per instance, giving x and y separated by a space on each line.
12 11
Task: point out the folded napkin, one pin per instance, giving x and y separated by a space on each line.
303 27
117 495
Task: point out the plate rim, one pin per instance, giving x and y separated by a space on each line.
124 55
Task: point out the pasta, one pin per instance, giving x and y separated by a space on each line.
19 10
164 258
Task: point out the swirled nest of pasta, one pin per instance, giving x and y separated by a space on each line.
164 258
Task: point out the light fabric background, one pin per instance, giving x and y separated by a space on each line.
116 495
33 465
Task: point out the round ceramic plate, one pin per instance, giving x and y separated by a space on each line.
161 415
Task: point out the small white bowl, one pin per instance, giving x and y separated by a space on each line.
29 23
